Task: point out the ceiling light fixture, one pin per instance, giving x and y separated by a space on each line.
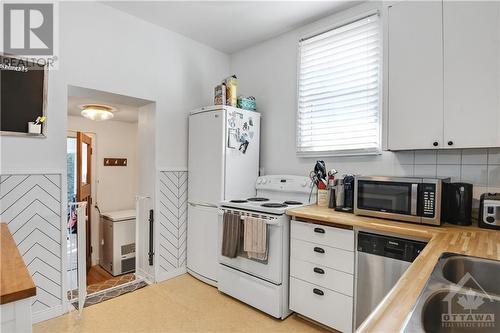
97 112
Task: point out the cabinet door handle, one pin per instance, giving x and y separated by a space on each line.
319 230
318 270
319 250
318 291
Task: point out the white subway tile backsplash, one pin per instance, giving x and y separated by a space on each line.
408 170
448 170
449 157
425 157
494 156
475 156
494 175
425 170
475 174
481 167
405 157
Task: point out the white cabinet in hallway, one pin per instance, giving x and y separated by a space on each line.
322 274
443 75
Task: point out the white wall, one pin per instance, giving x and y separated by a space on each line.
121 54
268 71
105 49
146 187
113 188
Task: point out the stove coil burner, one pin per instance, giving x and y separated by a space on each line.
292 203
258 199
238 201
274 205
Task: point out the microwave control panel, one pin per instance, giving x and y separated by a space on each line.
428 200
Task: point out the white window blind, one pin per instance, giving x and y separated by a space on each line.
338 90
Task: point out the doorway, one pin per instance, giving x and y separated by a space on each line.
106 203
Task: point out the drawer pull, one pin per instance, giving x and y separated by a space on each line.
318 270
318 292
319 250
319 230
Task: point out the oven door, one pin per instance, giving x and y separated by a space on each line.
272 269
393 198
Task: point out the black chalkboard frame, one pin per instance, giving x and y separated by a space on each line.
44 103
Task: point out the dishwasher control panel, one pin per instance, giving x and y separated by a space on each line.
388 246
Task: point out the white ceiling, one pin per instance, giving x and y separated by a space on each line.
230 26
126 107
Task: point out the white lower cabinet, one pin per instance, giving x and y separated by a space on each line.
16 316
323 305
322 274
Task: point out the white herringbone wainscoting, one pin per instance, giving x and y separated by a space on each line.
172 218
31 205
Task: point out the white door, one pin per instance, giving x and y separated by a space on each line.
206 157
242 169
415 75
82 254
471 73
202 241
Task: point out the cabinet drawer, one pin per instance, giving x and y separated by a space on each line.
331 257
320 234
322 276
321 304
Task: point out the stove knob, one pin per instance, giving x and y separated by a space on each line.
264 181
259 181
304 184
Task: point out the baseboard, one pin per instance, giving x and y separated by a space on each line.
171 274
43 315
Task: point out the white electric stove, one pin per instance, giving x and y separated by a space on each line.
264 285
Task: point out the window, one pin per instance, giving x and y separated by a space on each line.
338 90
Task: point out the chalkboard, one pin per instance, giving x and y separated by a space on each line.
23 96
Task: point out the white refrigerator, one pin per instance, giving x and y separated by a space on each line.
223 164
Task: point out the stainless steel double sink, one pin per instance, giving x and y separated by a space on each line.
461 295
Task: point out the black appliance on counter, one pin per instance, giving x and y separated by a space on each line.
457 203
489 211
344 192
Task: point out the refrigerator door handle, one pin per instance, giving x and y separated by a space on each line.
203 205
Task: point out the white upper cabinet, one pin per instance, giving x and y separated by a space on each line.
415 75
471 74
443 75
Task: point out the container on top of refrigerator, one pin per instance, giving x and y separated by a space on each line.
220 94
231 90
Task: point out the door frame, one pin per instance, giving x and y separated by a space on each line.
84 189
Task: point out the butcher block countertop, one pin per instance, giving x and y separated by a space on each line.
16 282
391 313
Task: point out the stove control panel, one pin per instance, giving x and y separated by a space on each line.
284 183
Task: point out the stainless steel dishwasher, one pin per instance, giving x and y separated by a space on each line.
381 260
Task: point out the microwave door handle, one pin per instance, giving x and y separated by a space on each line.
414 199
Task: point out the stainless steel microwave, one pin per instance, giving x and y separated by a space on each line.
407 199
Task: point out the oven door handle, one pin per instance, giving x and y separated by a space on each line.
268 222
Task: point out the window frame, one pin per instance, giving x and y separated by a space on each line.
318 31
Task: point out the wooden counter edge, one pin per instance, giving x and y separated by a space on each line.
17 267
